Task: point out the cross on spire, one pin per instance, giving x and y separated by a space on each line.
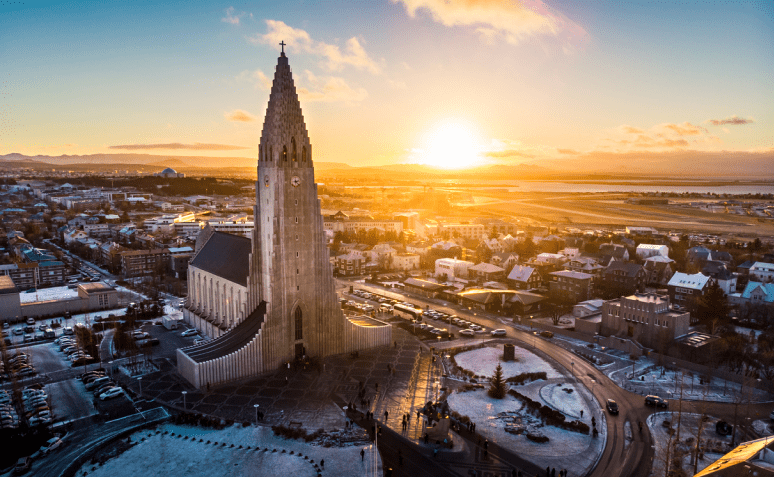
282 44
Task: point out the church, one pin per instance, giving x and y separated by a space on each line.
269 299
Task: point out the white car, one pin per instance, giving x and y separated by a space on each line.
498 332
199 341
191 332
467 333
111 393
50 445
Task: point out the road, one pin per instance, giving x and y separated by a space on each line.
617 459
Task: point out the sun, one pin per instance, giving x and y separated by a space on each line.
451 145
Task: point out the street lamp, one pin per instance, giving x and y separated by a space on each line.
185 408
256 413
572 368
139 381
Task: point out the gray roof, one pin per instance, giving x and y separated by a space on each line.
226 256
629 268
7 286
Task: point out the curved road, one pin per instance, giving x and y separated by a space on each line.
617 459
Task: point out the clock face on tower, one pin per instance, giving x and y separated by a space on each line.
295 181
266 181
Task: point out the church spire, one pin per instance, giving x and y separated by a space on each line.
284 138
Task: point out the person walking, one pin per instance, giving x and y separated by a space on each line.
386 414
362 455
553 472
322 464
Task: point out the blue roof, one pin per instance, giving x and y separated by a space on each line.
50 263
768 289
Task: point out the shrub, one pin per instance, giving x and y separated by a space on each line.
539 438
524 377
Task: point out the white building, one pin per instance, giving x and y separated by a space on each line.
405 261
468 231
645 250
238 227
452 268
762 272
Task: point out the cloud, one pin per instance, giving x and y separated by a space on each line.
685 129
568 151
260 80
396 84
240 115
231 17
508 20
508 153
733 120
334 58
197 146
328 89
631 130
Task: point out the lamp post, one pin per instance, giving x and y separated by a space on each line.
653 384
572 368
139 381
256 413
185 408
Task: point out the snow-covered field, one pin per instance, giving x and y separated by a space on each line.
564 398
716 446
163 455
483 362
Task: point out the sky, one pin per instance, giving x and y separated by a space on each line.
450 83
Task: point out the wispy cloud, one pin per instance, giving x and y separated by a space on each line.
685 129
631 130
232 17
733 120
508 20
508 153
240 115
571 152
197 146
334 58
260 80
328 89
394 84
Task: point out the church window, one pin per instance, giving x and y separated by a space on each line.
271 153
284 154
296 271
296 201
296 236
296 254
293 143
296 219
299 324
303 154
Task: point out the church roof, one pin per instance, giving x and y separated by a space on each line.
226 256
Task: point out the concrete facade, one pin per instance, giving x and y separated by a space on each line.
646 318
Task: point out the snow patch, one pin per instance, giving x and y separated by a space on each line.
483 362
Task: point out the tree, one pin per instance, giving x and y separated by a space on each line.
557 308
497 387
713 308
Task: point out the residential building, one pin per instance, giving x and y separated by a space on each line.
350 264
452 268
10 306
523 277
468 231
686 290
646 318
571 286
405 261
139 263
618 252
382 255
237 227
486 272
762 272
754 293
586 265
658 270
504 260
424 287
641 231
341 222
51 273
587 308
721 274
623 278
179 258
645 250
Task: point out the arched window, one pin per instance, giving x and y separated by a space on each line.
284 153
293 143
271 153
299 324
303 154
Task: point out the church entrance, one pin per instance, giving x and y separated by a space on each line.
300 351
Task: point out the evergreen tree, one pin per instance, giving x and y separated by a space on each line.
713 308
497 385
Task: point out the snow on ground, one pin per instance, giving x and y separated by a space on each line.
48 294
762 427
715 446
564 398
163 455
483 362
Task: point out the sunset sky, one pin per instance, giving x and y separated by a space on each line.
442 82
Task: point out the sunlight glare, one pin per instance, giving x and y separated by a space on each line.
451 145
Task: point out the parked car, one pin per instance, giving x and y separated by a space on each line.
547 334
191 332
656 401
467 333
30 321
723 428
22 465
111 393
499 332
93 384
612 406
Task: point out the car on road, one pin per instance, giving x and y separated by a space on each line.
547 334
22 465
499 332
111 393
612 406
50 445
467 333
656 401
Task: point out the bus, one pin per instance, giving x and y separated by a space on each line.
409 310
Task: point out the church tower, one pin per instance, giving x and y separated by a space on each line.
271 299
290 268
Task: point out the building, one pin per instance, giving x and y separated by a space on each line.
754 293
588 308
140 263
10 306
645 250
719 272
271 299
452 268
487 272
646 318
749 458
623 278
617 252
238 227
178 261
586 265
686 290
762 272
424 287
641 230
169 173
342 223
350 264
405 261
523 277
658 270
571 286
468 231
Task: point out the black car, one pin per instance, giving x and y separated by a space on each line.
723 428
656 401
612 406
